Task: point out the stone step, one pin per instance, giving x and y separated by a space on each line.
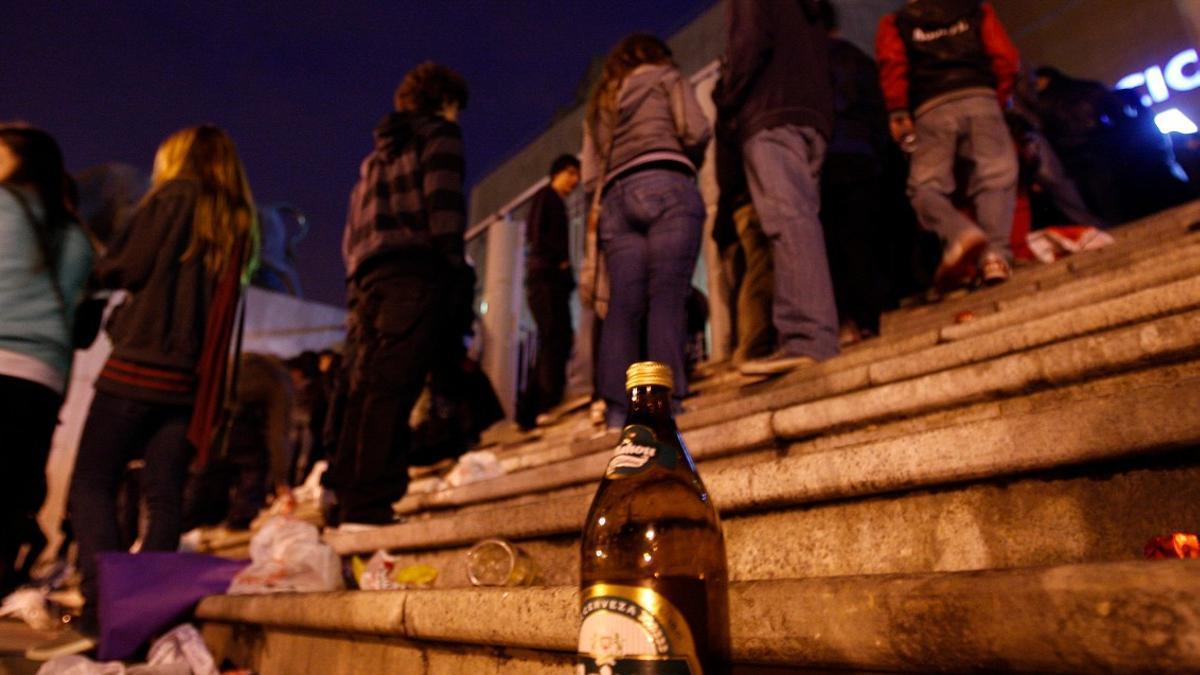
957 373
1147 233
1039 280
1141 616
1104 420
840 374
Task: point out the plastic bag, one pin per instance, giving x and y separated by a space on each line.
183 644
28 605
474 467
286 555
181 651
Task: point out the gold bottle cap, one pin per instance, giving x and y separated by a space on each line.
645 373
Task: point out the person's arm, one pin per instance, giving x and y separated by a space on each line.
1006 60
751 40
697 130
444 169
129 262
893 76
534 228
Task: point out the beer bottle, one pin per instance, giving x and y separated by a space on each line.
653 572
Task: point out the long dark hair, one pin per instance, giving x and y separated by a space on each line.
635 50
41 169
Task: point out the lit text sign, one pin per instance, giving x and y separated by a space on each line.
1179 75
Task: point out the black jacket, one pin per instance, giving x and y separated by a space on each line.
860 125
547 233
776 69
160 327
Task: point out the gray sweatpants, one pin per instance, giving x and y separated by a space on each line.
972 129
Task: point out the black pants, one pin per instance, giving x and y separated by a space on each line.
549 295
850 214
118 430
398 326
27 420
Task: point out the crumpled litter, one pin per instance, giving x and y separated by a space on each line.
181 651
1053 243
28 605
286 556
474 467
1180 545
381 574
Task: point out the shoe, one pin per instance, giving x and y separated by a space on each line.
779 362
70 642
994 270
958 261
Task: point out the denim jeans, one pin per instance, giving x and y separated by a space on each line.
972 129
783 166
119 430
650 225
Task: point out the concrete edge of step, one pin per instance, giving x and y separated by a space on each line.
1083 617
974 379
847 373
1101 420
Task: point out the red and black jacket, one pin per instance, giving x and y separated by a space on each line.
936 47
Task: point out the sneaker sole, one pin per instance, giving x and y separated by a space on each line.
953 275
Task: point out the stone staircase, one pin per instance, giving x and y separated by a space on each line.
972 490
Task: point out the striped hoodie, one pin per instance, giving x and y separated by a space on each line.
409 193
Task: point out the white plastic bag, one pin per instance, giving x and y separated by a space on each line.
28 605
287 555
183 645
473 467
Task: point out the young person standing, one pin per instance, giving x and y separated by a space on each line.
778 92
45 258
948 68
194 230
548 285
403 249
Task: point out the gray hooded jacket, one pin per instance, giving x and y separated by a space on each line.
658 118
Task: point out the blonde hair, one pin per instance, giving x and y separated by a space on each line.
224 214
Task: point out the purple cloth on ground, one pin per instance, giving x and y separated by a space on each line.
143 594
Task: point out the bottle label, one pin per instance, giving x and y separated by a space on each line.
632 630
638 447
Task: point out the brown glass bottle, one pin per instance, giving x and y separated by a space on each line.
653 571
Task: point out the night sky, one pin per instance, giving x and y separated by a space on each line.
300 84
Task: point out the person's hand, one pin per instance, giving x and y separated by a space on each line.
901 125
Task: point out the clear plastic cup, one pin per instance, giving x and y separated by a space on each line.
495 562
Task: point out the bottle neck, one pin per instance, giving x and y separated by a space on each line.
651 405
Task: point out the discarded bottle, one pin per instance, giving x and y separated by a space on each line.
653 574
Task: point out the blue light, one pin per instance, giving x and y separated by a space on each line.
1175 121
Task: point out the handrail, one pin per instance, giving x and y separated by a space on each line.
502 212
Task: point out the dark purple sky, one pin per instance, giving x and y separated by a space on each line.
299 84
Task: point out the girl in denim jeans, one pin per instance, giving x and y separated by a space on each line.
645 132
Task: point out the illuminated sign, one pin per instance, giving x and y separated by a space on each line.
1180 75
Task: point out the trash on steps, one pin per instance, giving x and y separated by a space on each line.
286 556
28 605
181 651
381 574
495 562
1179 545
474 467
